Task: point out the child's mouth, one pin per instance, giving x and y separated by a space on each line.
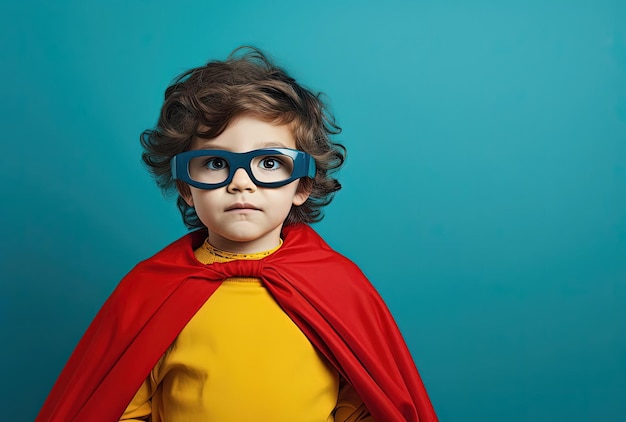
242 207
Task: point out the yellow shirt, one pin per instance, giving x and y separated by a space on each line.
241 358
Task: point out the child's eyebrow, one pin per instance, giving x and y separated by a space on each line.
272 144
207 144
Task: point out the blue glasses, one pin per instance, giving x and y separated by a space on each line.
268 167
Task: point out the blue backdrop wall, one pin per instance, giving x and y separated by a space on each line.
484 194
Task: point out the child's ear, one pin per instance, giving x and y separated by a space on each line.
300 198
302 194
184 192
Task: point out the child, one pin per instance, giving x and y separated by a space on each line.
252 317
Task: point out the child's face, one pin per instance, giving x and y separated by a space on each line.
242 217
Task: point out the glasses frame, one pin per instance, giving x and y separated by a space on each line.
303 165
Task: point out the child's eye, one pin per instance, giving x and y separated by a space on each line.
216 163
270 163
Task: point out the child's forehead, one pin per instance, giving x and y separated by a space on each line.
248 120
246 134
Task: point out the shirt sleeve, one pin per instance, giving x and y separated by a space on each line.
140 407
350 407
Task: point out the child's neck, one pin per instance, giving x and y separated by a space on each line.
208 253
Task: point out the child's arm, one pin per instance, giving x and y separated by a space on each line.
140 407
350 407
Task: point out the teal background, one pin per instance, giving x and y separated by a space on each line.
484 193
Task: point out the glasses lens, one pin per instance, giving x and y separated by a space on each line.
208 169
266 168
272 168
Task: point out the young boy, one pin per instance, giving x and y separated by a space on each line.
252 317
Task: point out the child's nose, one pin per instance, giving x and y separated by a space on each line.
241 182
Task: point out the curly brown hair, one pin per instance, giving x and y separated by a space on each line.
203 101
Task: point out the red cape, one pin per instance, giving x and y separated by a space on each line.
324 293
